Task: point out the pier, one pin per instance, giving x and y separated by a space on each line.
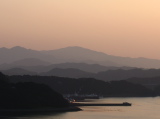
101 104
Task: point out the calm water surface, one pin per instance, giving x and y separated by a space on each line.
142 108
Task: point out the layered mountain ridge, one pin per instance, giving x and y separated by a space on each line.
74 55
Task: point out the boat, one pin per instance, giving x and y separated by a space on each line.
77 97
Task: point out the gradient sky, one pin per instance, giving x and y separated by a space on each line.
117 27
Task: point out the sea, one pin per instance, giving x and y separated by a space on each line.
142 108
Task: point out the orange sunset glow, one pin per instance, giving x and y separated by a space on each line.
127 28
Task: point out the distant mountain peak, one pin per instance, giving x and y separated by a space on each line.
74 47
13 48
78 49
18 48
68 48
4 48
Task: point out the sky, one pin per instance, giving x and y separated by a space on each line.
129 28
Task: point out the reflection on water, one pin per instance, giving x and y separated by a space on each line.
142 108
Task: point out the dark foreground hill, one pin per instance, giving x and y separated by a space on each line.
27 95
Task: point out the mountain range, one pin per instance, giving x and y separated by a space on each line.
109 75
39 66
75 54
70 72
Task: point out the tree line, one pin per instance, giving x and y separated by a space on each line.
66 85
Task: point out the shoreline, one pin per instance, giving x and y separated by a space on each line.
38 111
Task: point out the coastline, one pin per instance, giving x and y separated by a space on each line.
38 111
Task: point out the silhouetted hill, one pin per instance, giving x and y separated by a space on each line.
93 68
88 86
125 74
109 75
150 82
29 62
79 54
70 72
18 71
76 55
28 95
20 53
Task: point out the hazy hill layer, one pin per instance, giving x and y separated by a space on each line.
79 54
110 75
76 55
72 73
40 66
28 62
20 53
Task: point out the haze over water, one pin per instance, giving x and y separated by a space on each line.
142 108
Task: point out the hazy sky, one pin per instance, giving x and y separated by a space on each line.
117 27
